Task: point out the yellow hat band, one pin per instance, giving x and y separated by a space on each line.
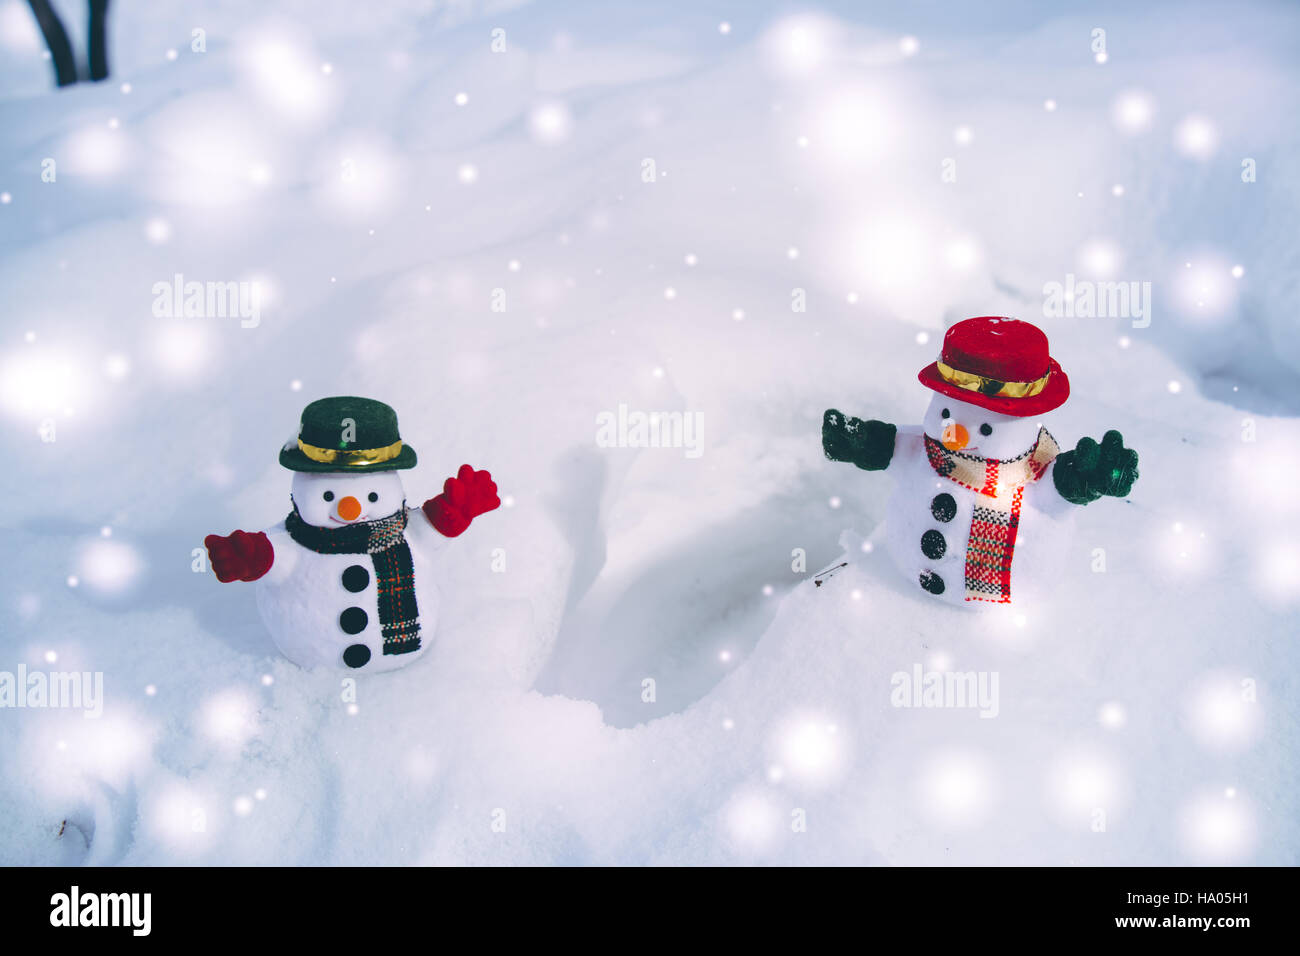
991 386
359 457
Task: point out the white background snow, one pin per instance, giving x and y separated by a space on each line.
320 148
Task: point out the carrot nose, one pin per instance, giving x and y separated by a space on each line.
349 508
955 438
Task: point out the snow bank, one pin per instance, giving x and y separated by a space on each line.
654 676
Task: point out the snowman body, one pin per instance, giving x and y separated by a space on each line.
985 499
322 609
322 606
928 522
346 581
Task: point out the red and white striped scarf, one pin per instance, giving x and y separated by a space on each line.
995 519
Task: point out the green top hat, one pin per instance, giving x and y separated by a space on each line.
346 433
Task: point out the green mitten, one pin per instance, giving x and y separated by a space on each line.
1093 470
869 444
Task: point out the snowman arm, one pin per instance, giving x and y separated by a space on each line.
867 444
422 535
284 554
1091 470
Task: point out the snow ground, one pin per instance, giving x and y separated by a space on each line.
1148 716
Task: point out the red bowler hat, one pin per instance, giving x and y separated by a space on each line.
999 364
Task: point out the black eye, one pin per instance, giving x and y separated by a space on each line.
328 496
373 496
986 429
945 414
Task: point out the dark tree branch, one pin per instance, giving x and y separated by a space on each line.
98 39
65 67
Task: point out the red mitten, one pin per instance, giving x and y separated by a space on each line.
463 498
241 556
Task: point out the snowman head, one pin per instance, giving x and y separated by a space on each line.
993 382
334 499
972 430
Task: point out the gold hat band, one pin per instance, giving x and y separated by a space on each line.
362 456
991 386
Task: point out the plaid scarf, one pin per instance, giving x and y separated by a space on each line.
996 517
384 540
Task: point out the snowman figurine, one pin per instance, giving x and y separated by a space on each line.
974 518
337 580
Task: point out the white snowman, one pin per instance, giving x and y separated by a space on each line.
984 500
344 581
